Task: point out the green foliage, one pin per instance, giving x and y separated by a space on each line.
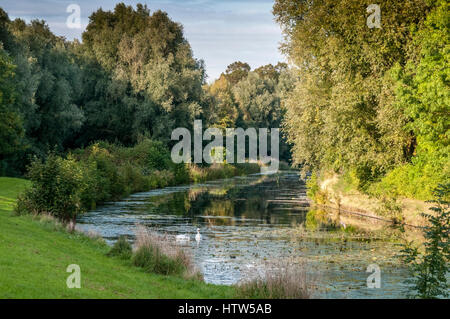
133 77
237 71
57 185
422 89
340 113
369 101
150 82
422 93
257 101
66 187
244 98
391 208
49 86
430 269
416 179
312 185
122 248
314 191
118 171
11 127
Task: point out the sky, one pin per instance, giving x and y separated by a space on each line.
220 31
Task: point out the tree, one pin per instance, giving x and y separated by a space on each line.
257 101
341 115
11 128
271 72
236 71
423 96
49 85
152 73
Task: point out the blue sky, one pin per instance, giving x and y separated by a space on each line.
219 31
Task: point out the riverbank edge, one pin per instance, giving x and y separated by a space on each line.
332 195
35 253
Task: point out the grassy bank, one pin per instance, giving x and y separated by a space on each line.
34 255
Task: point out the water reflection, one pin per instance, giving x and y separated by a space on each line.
246 221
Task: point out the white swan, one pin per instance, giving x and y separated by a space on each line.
198 237
182 238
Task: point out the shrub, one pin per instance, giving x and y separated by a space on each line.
314 191
108 183
417 179
57 185
430 268
122 248
181 174
391 208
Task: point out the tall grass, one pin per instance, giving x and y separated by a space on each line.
122 248
278 280
160 254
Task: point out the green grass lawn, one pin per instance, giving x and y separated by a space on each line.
34 256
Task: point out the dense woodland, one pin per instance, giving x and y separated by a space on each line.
369 104
132 77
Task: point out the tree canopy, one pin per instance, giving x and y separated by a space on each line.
348 110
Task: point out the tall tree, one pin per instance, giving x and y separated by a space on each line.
11 128
151 64
341 114
236 71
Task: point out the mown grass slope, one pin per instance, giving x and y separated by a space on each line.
34 256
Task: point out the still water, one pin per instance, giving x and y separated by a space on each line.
247 222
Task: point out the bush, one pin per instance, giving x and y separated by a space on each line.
122 248
57 188
417 179
391 208
314 191
429 269
181 174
